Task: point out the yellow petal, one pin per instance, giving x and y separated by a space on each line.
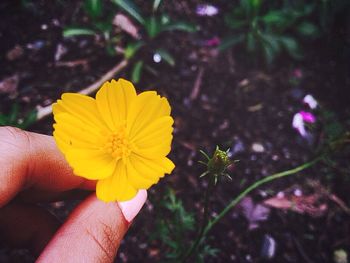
77 133
155 152
166 163
61 143
151 169
113 100
158 128
116 187
91 164
147 107
157 133
80 106
136 179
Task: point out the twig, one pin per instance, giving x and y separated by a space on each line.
197 84
72 64
340 203
43 112
301 251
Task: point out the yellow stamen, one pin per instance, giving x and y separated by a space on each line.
118 144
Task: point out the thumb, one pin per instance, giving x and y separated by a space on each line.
93 231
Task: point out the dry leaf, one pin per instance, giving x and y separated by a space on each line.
124 23
9 85
305 204
14 53
254 213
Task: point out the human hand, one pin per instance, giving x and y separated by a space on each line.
33 170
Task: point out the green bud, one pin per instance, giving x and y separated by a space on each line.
217 164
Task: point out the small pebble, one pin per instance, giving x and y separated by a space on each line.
238 147
157 58
258 147
268 249
298 192
275 157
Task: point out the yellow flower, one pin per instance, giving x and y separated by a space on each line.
120 138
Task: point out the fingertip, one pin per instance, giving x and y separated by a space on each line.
131 208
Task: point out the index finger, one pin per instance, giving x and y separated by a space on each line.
31 160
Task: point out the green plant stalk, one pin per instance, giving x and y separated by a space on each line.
236 200
205 217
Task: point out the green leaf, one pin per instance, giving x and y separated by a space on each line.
272 41
156 4
131 9
230 41
308 9
104 26
110 49
251 42
29 119
269 53
181 26
166 56
132 48
3 120
164 19
152 26
77 31
255 4
308 29
12 119
274 17
291 46
136 71
93 7
235 23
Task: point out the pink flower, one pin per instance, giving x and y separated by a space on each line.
308 117
215 41
297 73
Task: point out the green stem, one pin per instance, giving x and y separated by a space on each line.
204 220
235 201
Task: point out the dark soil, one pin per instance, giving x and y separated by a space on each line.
238 105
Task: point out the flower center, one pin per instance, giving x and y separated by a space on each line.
118 144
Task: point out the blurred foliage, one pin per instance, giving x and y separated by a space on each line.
156 23
13 118
172 229
100 24
152 26
270 27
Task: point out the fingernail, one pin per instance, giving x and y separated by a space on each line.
131 208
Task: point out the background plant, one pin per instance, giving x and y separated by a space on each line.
16 118
152 26
269 28
173 228
100 24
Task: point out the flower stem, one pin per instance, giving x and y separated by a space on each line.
204 219
237 199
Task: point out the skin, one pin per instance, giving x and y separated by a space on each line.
32 170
